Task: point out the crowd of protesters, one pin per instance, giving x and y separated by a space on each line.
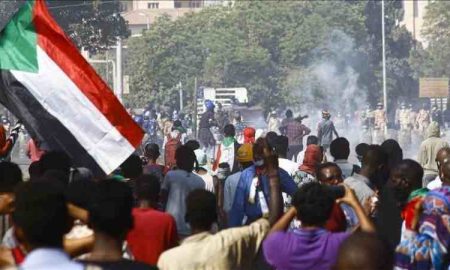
283 200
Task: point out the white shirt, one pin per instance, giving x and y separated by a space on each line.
209 181
300 157
436 183
288 165
49 259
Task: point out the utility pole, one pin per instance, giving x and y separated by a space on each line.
119 69
180 89
384 58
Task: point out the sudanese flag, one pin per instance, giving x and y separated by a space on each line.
58 96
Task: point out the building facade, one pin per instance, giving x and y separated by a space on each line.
414 12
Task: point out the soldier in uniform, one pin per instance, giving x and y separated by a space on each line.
423 120
380 122
366 120
404 137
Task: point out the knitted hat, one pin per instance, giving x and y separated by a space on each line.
245 153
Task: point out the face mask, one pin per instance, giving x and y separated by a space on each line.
259 163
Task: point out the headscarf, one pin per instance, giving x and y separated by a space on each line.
428 248
209 105
313 157
249 135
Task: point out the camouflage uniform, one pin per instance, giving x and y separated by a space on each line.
379 125
404 137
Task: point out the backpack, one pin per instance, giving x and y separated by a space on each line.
171 147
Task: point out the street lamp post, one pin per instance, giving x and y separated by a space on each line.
384 57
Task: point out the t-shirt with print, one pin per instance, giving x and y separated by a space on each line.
179 184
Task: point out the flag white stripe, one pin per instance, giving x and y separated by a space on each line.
57 93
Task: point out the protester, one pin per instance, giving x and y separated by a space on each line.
364 251
281 147
442 157
40 221
361 150
406 183
307 171
373 171
34 152
251 195
343 217
428 151
273 122
55 161
204 134
229 249
226 151
326 130
173 140
311 246
393 151
245 159
10 178
289 116
428 248
154 231
7 142
340 151
294 130
202 171
151 153
310 140
177 185
249 135
111 219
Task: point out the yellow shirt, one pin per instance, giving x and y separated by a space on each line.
234 248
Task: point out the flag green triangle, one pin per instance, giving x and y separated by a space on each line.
18 41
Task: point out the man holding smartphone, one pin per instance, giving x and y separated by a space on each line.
312 246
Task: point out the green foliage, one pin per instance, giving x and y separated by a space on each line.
92 24
434 61
277 50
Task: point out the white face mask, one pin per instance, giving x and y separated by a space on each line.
259 163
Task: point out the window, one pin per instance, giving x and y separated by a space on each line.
415 8
152 5
195 4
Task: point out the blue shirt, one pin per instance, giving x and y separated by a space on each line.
242 207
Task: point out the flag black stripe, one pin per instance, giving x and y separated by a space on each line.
40 123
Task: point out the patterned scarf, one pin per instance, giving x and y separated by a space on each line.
428 249
408 213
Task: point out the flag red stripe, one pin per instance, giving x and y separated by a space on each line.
53 40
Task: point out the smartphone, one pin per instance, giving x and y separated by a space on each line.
337 191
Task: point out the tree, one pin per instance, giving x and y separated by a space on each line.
434 60
92 24
305 54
